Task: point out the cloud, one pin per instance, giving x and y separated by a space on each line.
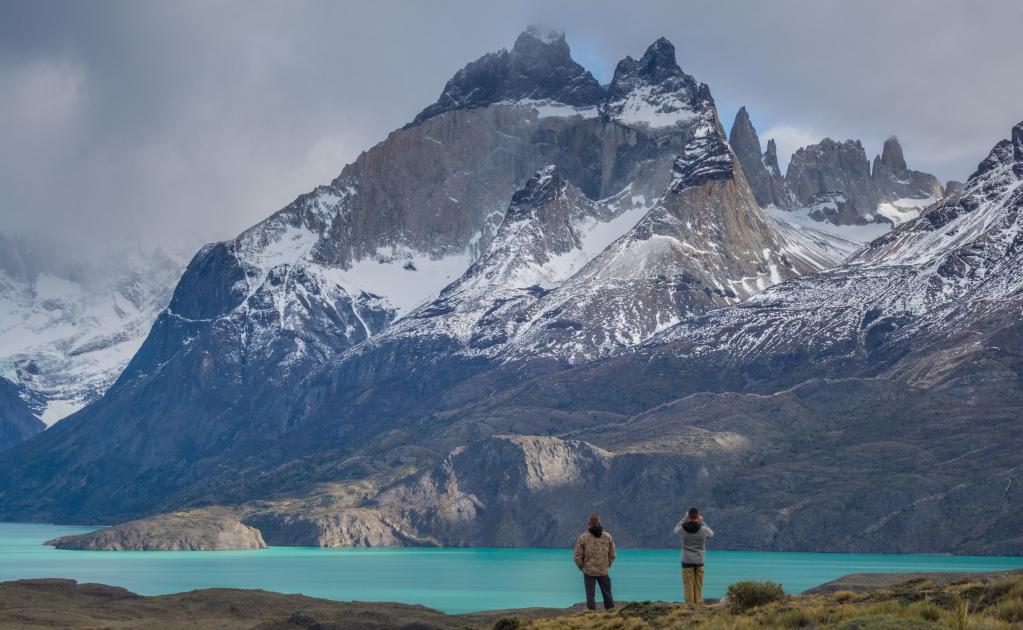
163 121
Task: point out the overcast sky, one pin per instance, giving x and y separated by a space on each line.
184 121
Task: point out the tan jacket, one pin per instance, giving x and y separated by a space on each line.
594 556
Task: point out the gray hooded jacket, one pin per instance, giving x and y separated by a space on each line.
694 537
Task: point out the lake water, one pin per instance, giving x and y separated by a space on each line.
452 580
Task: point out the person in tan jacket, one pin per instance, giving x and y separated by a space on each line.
594 554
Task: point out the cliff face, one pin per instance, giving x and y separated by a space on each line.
17 423
835 176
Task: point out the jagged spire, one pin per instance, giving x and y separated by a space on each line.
891 155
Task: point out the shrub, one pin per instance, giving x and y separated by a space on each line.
646 610
745 595
1009 610
844 596
792 618
884 622
927 610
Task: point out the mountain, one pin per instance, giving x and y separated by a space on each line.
272 334
519 309
850 410
830 192
71 322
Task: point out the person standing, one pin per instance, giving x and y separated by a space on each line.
694 534
594 554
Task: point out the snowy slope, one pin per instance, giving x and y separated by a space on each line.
68 327
958 262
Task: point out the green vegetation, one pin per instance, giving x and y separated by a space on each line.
991 604
743 596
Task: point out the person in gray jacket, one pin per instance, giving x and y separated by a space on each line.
694 534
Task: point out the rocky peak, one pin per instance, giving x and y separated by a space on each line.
538 42
538 226
894 181
838 171
743 137
952 187
658 62
539 66
761 169
891 155
654 91
541 188
771 158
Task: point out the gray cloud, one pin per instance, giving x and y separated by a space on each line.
192 120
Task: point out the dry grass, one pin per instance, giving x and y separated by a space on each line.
918 605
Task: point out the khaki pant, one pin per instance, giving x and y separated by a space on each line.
692 583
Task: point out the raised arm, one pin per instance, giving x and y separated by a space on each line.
678 528
710 532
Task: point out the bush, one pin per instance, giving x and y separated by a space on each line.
1009 610
843 597
742 596
646 610
884 622
792 618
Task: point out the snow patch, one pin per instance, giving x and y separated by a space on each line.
905 209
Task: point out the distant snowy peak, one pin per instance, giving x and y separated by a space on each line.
70 323
539 67
654 91
943 274
550 231
833 185
972 232
705 244
539 243
894 181
651 92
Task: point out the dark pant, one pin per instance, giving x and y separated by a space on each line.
605 591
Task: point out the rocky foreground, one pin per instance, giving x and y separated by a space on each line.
855 602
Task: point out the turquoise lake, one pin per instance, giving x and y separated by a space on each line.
452 580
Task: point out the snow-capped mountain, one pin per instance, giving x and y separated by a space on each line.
542 283
831 190
69 325
256 317
957 264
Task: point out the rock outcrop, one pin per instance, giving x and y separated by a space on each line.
835 176
197 530
894 180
